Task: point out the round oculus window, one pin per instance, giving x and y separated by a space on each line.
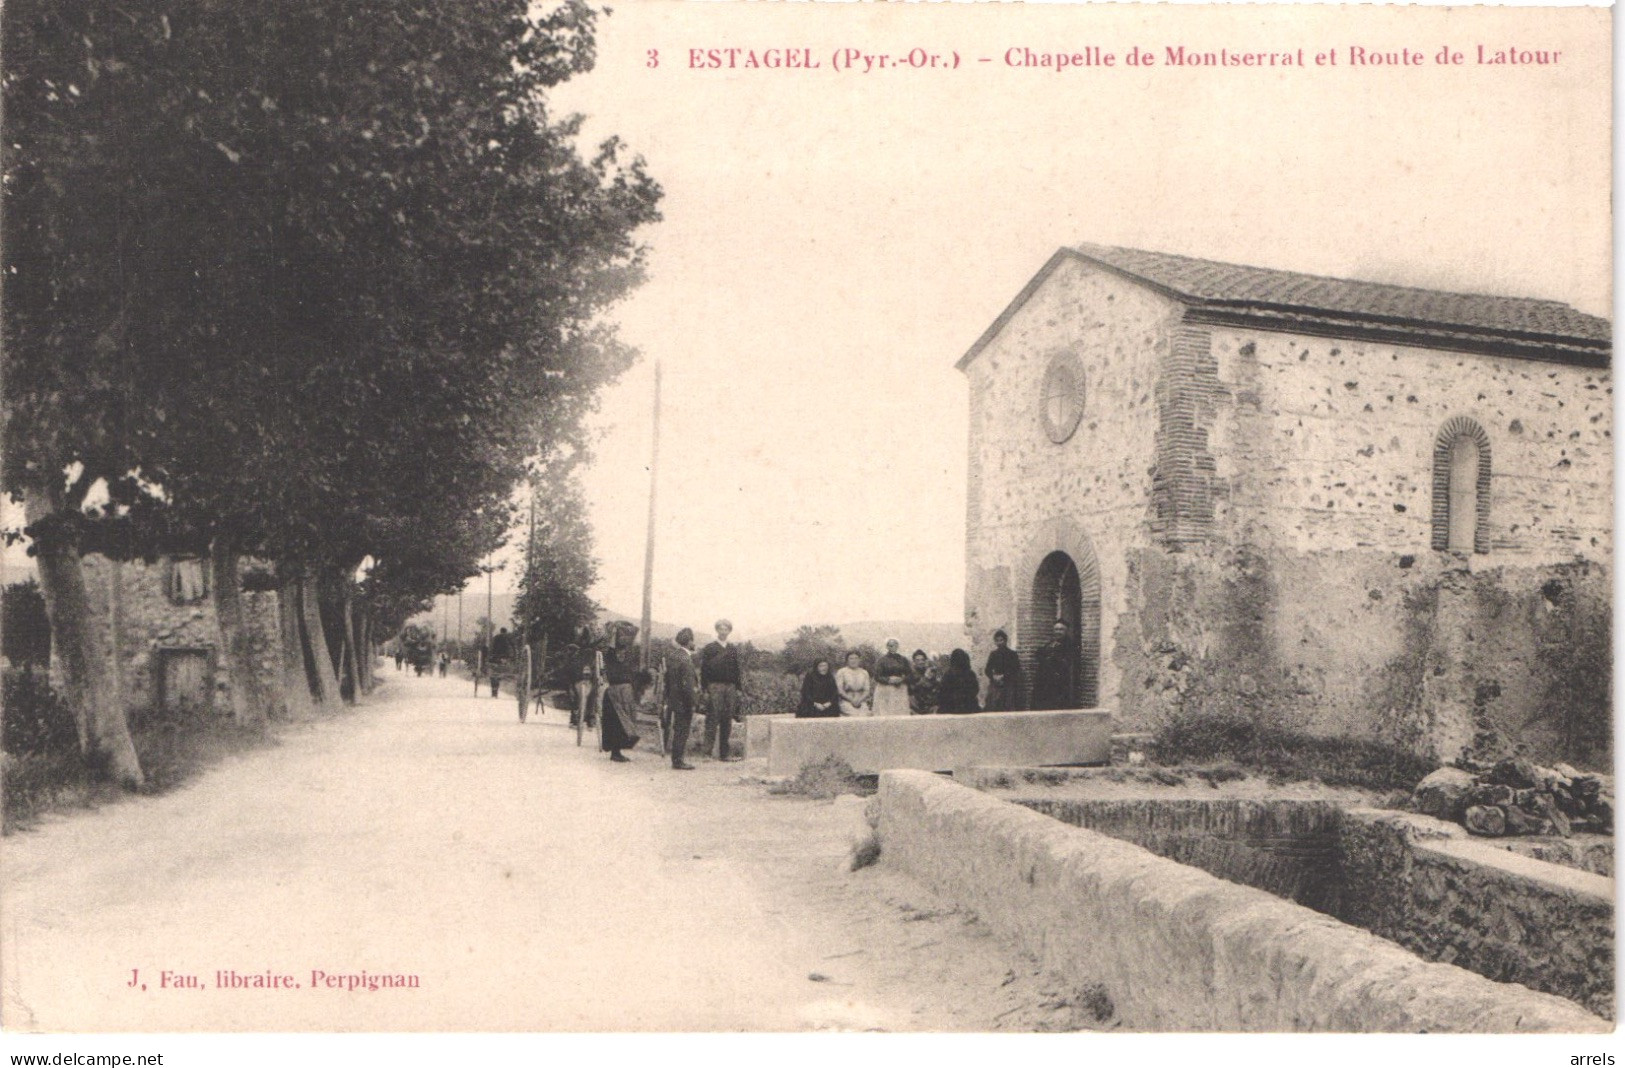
1061 405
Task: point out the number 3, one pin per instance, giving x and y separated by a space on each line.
654 57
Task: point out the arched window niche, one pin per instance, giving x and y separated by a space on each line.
1461 487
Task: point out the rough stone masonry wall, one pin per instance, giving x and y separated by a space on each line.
1173 948
1098 482
1424 884
1317 600
1414 880
152 622
1328 445
1289 848
1409 650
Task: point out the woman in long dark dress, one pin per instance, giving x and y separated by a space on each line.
820 697
956 693
619 729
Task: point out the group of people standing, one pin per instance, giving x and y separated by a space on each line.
707 684
913 686
711 687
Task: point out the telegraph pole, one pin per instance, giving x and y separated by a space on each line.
649 538
530 561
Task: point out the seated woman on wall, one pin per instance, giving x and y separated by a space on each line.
820 697
922 685
857 689
957 691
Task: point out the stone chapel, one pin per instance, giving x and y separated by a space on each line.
1341 507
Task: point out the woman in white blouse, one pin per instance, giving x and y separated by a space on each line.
857 689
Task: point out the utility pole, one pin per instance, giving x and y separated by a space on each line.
649 538
530 561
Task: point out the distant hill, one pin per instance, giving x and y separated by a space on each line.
932 637
656 628
444 615
442 618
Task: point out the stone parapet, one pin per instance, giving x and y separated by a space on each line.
871 744
1168 947
1428 886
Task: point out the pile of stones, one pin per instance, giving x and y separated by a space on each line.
1517 797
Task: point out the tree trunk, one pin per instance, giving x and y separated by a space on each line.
296 684
367 680
250 699
115 629
87 670
324 680
352 659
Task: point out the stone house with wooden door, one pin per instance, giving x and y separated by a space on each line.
169 639
1341 507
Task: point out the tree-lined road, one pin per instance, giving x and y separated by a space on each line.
526 883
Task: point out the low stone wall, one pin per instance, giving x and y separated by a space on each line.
1588 852
1167 947
1289 848
872 744
1428 886
757 730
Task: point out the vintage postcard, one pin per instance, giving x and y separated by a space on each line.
529 502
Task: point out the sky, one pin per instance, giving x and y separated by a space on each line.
833 241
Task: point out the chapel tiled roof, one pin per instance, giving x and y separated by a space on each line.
1227 283
1293 302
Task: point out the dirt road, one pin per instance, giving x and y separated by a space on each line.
522 883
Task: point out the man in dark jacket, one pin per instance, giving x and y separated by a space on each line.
721 677
1055 679
682 694
1003 673
501 653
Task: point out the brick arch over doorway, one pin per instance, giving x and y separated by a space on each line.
1058 555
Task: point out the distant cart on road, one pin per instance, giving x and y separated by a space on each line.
517 670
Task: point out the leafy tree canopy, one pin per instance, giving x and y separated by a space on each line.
327 273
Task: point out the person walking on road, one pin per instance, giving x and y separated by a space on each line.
620 698
682 694
501 653
721 677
